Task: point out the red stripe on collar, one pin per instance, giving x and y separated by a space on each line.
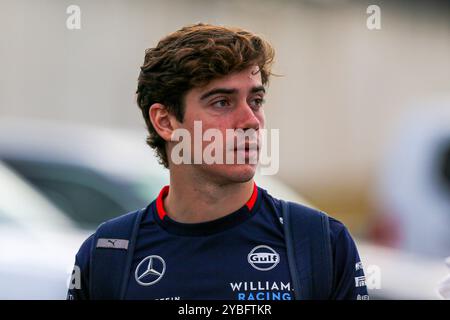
159 202
165 191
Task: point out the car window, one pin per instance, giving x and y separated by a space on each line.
85 195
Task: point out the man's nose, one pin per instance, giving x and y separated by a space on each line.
246 118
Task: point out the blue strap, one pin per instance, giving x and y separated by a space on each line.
111 256
308 243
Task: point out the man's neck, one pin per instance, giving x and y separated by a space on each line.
201 201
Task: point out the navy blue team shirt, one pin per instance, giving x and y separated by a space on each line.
241 256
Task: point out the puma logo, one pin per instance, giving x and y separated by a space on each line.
112 243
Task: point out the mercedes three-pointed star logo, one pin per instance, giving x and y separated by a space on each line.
151 272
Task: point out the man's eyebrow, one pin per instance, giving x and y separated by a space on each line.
218 91
229 91
258 89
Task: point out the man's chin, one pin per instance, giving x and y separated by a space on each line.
236 173
243 173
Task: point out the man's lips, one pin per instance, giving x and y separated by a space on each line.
247 147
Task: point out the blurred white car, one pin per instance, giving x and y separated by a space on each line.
37 242
92 174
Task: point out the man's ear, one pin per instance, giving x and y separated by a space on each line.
163 121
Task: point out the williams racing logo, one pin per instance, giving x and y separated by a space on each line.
263 258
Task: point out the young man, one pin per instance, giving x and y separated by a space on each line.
211 234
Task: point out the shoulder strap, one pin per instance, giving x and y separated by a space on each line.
308 243
111 256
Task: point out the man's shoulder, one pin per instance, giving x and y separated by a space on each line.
336 226
338 230
83 255
113 224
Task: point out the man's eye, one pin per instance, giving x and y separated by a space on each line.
221 104
258 102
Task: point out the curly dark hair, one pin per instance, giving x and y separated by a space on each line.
192 57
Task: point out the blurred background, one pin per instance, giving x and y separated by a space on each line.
364 119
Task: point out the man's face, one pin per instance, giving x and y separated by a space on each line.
232 102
